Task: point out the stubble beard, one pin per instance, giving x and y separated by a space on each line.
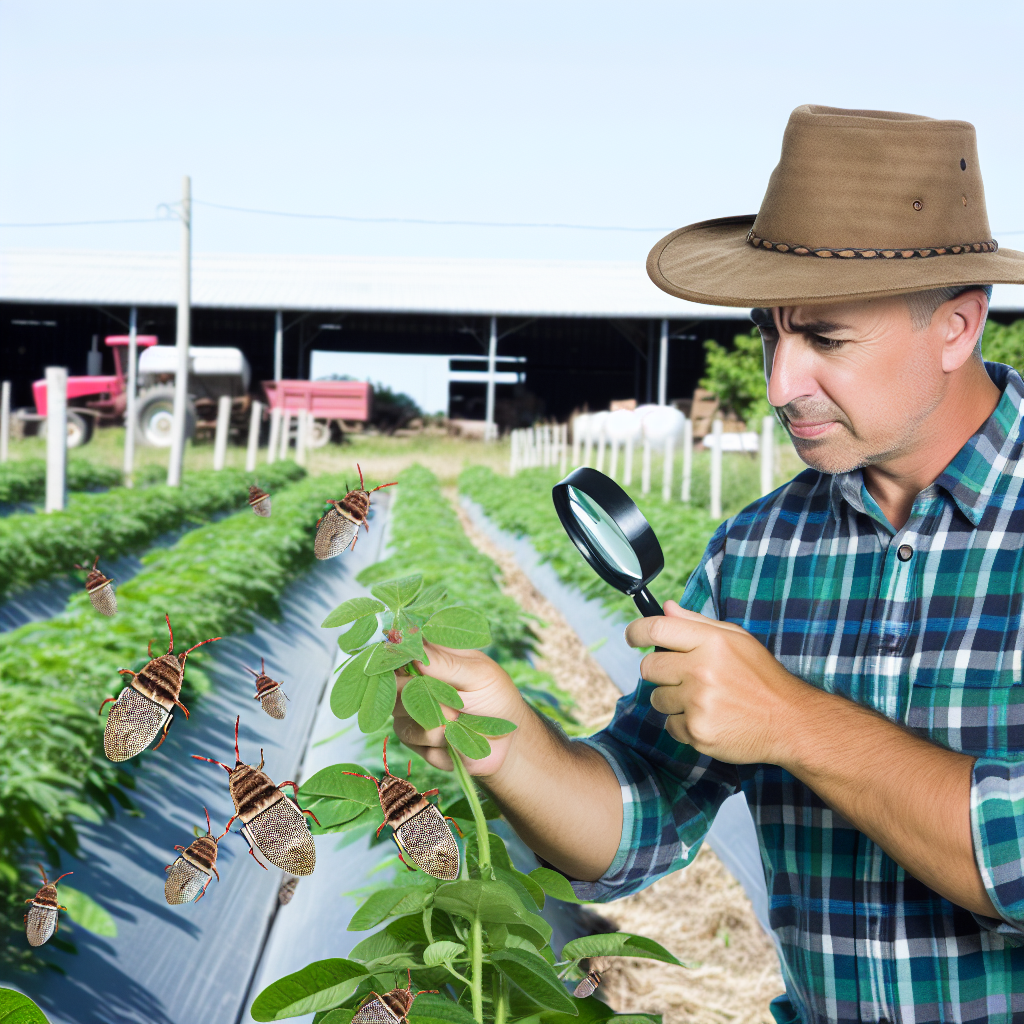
842 451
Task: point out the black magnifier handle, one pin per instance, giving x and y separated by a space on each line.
648 606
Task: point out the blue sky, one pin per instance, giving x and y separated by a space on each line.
635 114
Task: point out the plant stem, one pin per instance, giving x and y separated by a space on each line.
476 988
500 1000
428 914
483 839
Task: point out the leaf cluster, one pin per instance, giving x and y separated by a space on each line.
1004 343
24 480
736 376
119 522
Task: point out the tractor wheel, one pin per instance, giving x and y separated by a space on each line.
318 434
79 429
156 417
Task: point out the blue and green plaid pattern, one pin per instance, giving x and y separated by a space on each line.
933 642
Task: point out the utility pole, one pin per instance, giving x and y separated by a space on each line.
278 344
131 389
180 412
663 366
490 433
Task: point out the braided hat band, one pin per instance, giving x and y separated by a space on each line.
869 254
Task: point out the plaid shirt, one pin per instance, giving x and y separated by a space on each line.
922 624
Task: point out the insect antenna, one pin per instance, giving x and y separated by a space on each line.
238 757
361 485
170 646
379 486
200 644
46 881
247 669
199 757
263 667
209 830
65 875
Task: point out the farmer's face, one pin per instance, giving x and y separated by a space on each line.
853 382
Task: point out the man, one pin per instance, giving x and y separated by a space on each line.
848 652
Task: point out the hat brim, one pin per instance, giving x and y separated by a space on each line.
712 262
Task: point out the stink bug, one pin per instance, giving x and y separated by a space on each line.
144 706
41 919
271 822
100 589
268 693
588 986
190 874
259 501
340 524
287 891
391 1008
419 827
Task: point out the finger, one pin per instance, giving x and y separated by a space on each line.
665 668
436 756
675 726
673 610
465 670
675 634
409 730
669 700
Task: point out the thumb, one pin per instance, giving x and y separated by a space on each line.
465 670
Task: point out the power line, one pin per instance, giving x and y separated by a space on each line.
85 223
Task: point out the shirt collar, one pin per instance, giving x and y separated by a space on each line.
971 478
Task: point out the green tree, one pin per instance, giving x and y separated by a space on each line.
736 376
1004 343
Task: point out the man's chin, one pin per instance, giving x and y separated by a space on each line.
825 457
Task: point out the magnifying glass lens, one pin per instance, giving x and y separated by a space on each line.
606 539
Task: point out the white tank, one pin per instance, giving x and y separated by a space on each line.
580 426
622 425
663 422
598 422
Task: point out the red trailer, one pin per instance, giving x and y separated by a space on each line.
342 401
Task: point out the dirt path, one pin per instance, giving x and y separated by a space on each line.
701 914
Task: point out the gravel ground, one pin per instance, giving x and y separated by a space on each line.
736 970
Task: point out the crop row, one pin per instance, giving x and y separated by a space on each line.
522 505
25 479
54 674
119 522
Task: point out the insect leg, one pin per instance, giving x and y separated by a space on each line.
252 853
455 825
167 726
149 650
295 789
202 892
382 824
182 706
354 541
127 672
431 792
109 700
312 815
179 847
402 859
216 872
230 821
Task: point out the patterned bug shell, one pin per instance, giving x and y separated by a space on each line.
101 593
428 842
190 874
335 531
392 1007
287 891
41 919
272 698
588 986
259 501
133 724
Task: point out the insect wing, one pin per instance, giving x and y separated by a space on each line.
333 535
40 924
287 891
428 842
588 986
185 882
262 506
133 723
103 598
281 834
274 703
375 1012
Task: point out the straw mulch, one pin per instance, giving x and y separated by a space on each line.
701 914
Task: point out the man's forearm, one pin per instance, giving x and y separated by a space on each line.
908 795
562 799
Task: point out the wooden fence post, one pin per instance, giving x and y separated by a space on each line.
253 441
56 437
767 455
684 491
220 437
716 469
666 469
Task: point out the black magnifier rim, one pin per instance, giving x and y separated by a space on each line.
623 511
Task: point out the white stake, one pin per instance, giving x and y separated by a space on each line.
253 446
562 448
576 438
286 429
767 455
131 388
666 469
301 419
5 419
588 442
716 469
491 430
601 439
220 436
56 437
180 410
663 365
275 435
684 491
627 469
613 469
278 344
645 469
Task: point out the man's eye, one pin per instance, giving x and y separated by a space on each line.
826 344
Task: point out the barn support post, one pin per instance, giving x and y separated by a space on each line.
131 388
627 469
5 419
767 455
286 429
663 365
490 430
667 466
220 437
180 410
56 437
275 435
613 467
278 344
645 469
302 419
253 441
684 490
716 469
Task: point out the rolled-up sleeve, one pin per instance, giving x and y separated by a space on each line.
997 827
670 792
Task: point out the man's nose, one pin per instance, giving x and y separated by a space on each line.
792 375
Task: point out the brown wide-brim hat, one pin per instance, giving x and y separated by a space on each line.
863 204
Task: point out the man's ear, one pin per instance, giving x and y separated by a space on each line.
960 321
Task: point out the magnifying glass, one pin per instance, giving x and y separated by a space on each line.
611 533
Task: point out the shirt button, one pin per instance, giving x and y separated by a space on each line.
905 553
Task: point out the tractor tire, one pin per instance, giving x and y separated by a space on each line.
156 415
318 434
79 429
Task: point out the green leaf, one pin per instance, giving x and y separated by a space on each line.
445 693
386 903
398 593
555 884
318 986
429 596
367 818
492 902
525 892
332 782
16 1008
385 657
350 611
338 1016
380 944
378 701
87 913
470 743
589 1011
535 977
461 809
347 694
486 726
458 627
436 1007
362 630
618 944
438 952
421 704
